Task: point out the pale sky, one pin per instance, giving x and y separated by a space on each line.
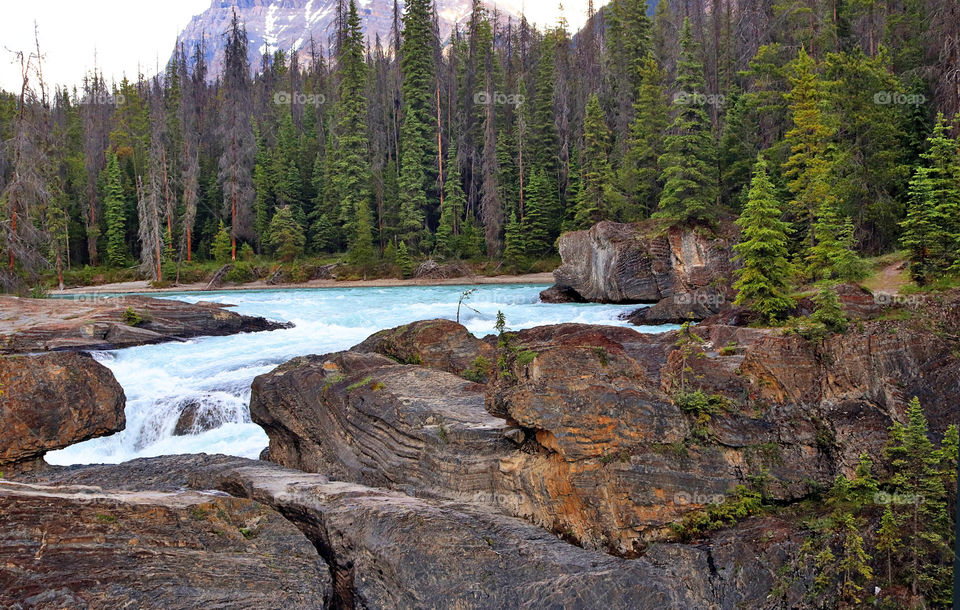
121 35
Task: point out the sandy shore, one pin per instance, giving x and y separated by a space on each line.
144 286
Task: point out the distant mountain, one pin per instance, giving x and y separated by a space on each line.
289 24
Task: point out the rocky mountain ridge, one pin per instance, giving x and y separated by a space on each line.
291 24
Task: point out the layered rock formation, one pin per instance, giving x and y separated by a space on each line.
387 549
583 432
79 547
32 325
52 401
642 263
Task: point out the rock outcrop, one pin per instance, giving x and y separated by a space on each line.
641 263
100 323
585 430
52 401
439 344
80 547
387 549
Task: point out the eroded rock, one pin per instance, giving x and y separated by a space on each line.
641 263
67 546
52 401
102 323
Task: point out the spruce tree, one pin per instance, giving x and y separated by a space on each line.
596 190
239 146
927 529
809 167
220 248
764 277
923 236
403 260
943 192
541 197
351 158
417 64
513 246
689 161
640 172
833 255
114 212
454 200
285 235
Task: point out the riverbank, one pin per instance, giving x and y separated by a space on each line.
143 286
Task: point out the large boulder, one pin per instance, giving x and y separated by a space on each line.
440 344
52 401
101 323
362 417
641 263
84 547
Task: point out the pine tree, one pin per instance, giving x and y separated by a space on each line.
220 248
763 280
286 236
418 67
640 172
448 229
596 195
403 260
941 190
239 146
114 212
541 197
809 167
513 247
926 525
833 255
689 165
351 158
923 236
888 540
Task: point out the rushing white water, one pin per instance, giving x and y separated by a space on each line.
214 373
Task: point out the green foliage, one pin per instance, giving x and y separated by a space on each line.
403 260
240 273
221 247
931 230
286 237
763 279
640 172
829 312
363 382
114 210
595 200
739 505
131 317
689 164
479 371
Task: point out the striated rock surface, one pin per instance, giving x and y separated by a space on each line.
641 263
364 418
92 323
78 547
387 549
52 401
440 344
583 431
